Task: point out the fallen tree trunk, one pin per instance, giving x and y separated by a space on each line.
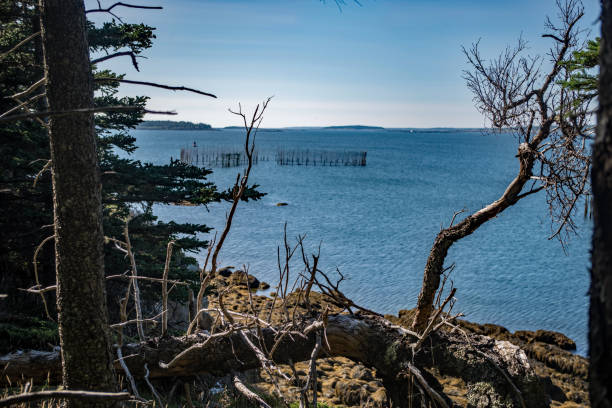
90 396
496 372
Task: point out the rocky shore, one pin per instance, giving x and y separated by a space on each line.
344 383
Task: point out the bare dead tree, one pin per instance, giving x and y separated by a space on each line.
551 124
251 126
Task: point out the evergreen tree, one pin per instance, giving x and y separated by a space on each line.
129 187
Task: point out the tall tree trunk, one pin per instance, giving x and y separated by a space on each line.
600 313
87 362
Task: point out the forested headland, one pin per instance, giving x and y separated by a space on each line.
172 125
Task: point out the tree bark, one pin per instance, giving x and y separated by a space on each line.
600 312
370 340
87 362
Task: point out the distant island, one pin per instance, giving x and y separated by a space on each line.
354 127
173 125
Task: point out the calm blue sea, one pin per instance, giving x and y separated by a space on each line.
377 223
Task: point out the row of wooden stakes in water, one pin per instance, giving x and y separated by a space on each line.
219 157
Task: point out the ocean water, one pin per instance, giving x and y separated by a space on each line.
377 223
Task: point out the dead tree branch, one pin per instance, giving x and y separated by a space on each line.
250 395
19 44
237 192
155 85
165 288
121 4
119 54
38 285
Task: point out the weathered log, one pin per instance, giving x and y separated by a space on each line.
494 371
89 396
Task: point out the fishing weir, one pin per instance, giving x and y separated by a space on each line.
235 157
297 157
218 156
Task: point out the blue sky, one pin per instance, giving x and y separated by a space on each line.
386 63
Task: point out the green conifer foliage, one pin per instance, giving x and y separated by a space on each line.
583 71
129 187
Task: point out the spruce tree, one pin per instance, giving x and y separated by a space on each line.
130 188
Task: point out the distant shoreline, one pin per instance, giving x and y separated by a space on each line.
184 125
